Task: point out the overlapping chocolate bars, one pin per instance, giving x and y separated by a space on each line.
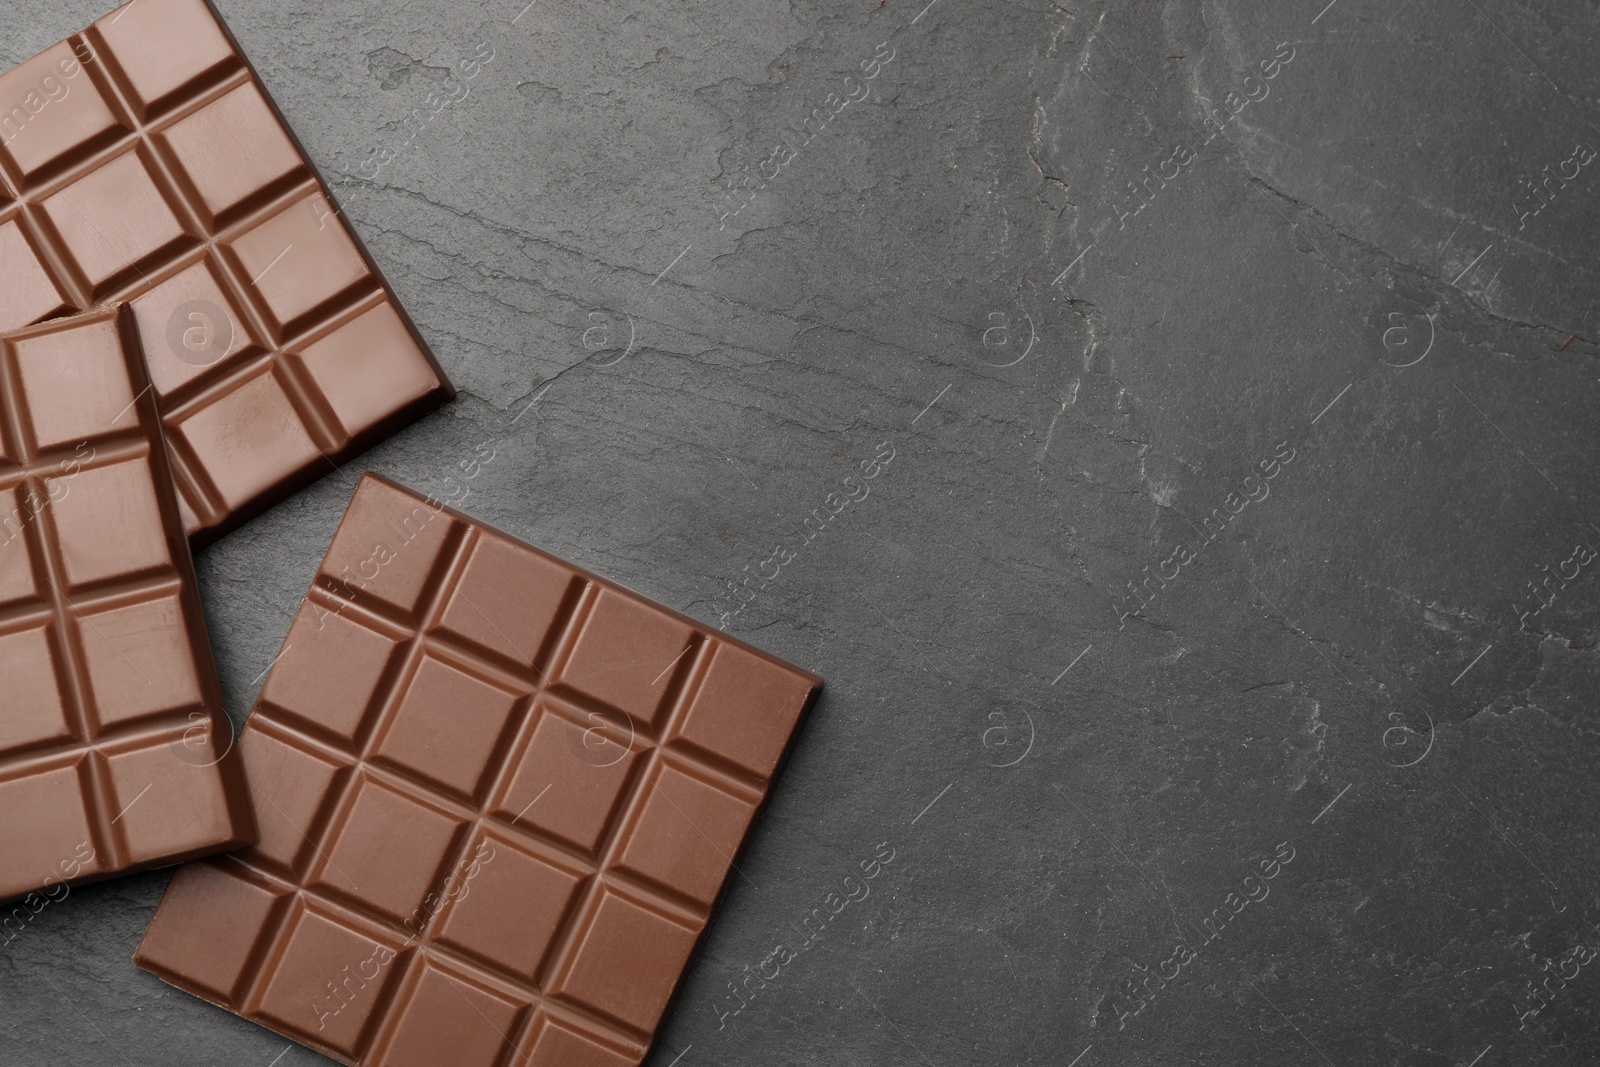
142 161
488 801
499 798
112 735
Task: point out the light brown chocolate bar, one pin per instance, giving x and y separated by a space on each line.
500 798
112 734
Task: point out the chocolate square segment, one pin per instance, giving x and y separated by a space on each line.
446 1018
113 741
554 1043
235 911
42 852
18 582
136 670
35 714
162 47
518 893
244 435
366 368
111 525
627 961
684 827
329 982
389 549
192 329
527 784
342 668
142 161
507 599
72 392
448 727
389 871
626 653
569 778
114 224
28 293
232 151
299 262
745 711
49 111
288 785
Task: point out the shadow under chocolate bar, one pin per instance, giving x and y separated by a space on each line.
142 161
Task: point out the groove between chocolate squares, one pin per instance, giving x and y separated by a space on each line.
477 812
204 240
679 911
164 728
380 930
572 704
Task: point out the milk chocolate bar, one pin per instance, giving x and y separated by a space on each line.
500 799
112 733
142 161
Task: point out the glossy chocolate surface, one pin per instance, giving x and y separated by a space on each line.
499 797
142 161
112 734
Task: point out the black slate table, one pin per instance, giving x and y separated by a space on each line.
1170 428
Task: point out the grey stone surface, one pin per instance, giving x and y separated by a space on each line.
1339 280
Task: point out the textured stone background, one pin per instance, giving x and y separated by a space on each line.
1070 387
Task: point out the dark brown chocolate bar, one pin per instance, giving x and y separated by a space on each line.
499 797
142 161
112 732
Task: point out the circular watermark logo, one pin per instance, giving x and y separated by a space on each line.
199 332
1003 736
196 746
1408 739
609 338
1401 330
1008 337
603 740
